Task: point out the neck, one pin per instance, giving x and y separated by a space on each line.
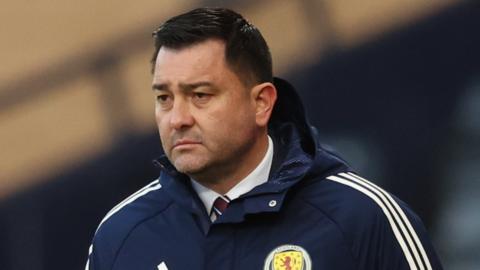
227 177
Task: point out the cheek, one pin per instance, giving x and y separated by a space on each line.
231 123
162 129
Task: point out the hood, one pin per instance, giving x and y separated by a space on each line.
289 109
295 139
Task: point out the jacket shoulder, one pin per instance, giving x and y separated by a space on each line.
380 229
115 227
134 208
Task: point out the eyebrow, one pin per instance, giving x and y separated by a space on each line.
185 87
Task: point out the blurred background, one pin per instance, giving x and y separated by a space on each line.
392 85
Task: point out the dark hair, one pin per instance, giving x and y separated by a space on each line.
246 51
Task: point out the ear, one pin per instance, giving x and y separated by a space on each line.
264 96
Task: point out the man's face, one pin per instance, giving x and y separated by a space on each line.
205 115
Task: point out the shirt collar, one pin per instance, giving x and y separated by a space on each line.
257 177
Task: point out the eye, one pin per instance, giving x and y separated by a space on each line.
164 100
201 97
199 94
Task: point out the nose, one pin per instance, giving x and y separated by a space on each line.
180 116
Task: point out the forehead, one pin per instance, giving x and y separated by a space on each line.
199 60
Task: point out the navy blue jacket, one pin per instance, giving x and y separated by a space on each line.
313 213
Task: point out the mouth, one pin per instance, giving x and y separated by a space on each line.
184 144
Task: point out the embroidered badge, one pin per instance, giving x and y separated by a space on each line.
288 257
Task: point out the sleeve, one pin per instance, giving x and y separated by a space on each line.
95 261
102 251
90 265
398 240
384 233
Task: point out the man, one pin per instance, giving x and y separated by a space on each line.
245 184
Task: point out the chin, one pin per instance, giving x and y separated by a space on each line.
189 167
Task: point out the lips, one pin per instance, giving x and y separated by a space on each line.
184 142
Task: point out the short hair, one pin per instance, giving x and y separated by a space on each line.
246 51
